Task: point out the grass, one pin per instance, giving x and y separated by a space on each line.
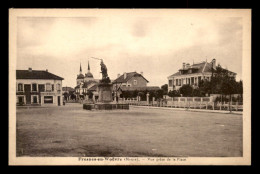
69 131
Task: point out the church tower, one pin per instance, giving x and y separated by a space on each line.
88 75
80 76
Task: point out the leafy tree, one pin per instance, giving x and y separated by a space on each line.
142 95
135 93
159 93
204 87
240 89
174 93
73 97
165 89
186 90
90 94
196 93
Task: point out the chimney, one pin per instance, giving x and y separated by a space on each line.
124 75
30 69
118 75
214 63
142 73
183 65
46 70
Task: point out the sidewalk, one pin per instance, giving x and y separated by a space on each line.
192 110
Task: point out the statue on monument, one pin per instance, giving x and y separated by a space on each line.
105 78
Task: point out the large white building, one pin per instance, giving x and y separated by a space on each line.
192 74
36 87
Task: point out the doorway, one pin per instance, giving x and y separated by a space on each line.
58 100
27 91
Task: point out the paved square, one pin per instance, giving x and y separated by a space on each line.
71 131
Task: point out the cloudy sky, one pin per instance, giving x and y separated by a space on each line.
155 45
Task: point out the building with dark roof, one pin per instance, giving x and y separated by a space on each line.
37 87
192 74
131 81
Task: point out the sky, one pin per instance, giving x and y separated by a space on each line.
156 46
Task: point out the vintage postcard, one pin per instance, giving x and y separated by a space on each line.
129 86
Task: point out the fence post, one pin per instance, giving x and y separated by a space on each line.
207 105
213 105
237 106
220 105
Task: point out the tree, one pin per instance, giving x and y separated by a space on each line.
73 97
159 93
135 93
165 89
174 93
186 90
142 95
240 89
204 87
90 94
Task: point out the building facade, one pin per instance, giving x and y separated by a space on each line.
86 83
131 81
35 87
192 74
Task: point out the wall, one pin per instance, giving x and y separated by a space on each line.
141 82
39 95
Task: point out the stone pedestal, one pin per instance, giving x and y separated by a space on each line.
105 92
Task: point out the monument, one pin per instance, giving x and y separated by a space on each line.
104 87
105 99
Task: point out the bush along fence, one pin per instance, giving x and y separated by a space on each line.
188 103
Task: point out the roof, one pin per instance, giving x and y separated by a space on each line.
93 88
89 74
67 89
85 84
80 76
36 74
129 75
201 68
131 88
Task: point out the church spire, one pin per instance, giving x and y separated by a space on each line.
80 69
88 67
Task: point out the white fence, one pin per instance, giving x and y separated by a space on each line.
189 103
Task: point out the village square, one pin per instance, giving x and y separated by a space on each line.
126 117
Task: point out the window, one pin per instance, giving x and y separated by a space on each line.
177 82
34 99
48 87
48 99
34 87
58 87
52 87
41 88
20 87
170 82
135 82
